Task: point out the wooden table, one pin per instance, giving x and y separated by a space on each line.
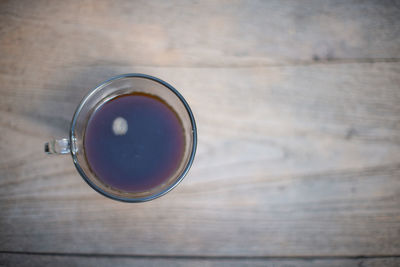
298 112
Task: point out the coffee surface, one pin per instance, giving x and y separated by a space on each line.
134 142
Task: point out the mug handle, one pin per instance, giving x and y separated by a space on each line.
58 146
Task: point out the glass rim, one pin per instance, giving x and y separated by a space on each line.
73 149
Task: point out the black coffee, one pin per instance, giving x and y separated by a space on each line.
134 142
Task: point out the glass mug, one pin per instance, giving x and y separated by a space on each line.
122 85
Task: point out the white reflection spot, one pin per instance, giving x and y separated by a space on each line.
120 126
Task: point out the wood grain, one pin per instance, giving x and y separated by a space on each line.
289 162
190 33
297 106
22 260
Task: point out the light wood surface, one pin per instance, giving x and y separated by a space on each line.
297 107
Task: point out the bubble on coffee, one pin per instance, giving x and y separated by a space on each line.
120 126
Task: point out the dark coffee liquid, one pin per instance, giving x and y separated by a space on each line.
134 142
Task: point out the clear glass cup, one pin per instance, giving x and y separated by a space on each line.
120 85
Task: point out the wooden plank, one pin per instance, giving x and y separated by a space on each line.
292 161
7 259
299 139
205 33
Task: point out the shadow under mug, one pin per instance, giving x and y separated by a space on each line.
121 85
